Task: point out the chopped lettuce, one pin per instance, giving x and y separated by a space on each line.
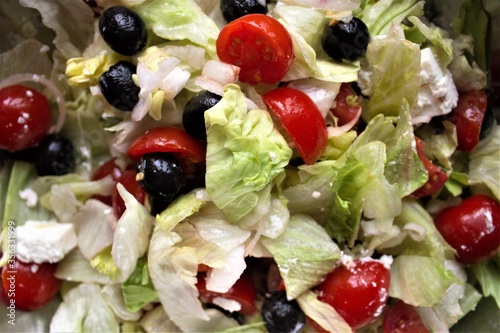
84 309
76 268
378 15
245 153
112 293
304 254
484 166
179 20
389 73
488 274
420 280
138 290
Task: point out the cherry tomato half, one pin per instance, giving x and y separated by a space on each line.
259 45
347 104
109 168
302 119
29 286
472 228
437 177
468 117
167 140
243 291
127 179
358 291
402 318
25 117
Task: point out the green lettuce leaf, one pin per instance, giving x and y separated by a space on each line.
245 153
138 290
156 320
420 280
179 20
484 167
84 309
488 275
389 73
76 268
304 254
114 297
25 57
378 15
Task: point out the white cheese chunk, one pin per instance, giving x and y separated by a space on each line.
438 94
44 241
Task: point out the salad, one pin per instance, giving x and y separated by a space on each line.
248 166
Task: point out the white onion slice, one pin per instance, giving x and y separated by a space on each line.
338 131
30 77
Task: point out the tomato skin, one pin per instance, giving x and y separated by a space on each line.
33 285
357 291
347 104
302 119
243 291
167 140
468 117
109 168
472 228
402 318
127 179
259 45
437 177
25 117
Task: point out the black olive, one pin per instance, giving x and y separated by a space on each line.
193 118
233 9
281 315
118 87
346 40
160 175
123 30
54 156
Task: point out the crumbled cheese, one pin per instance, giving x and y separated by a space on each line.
227 304
438 94
29 196
44 241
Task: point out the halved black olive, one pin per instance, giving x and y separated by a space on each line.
54 156
346 40
123 30
193 119
160 175
118 87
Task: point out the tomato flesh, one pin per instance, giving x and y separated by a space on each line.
468 117
259 45
25 117
347 104
357 291
127 179
472 228
437 177
402 318
28 286
243 291
302 120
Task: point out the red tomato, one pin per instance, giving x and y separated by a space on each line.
168 140
259 45
25 117
346 104
402 318
29 286
106 169
472 228
127 179
468 117
437 177
243 291
302 119
358 292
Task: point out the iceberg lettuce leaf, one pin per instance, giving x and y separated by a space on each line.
245 153
304 254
